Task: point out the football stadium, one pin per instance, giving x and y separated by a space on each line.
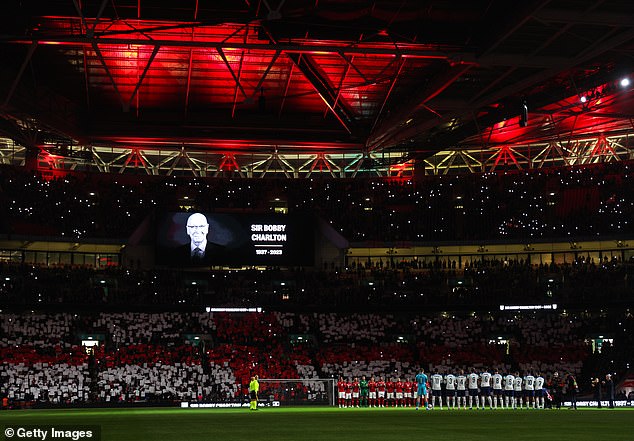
316 220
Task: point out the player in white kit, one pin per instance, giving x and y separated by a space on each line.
472 380
485 388
518 391
461 389
436 389
450 390
509 389
497 389
529 389
539 391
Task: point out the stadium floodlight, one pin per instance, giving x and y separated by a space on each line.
524 114
625 82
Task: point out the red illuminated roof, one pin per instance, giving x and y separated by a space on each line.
316 75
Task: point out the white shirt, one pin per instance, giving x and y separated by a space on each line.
518 384
539 383
529 382
485 379
201 247
509 381
473 381
497 381
450 381
436 381
461 381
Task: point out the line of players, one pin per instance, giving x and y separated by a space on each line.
510 391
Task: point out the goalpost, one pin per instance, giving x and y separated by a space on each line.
298 391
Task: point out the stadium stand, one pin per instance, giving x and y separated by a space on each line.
543 203
484 284
157 346
152 365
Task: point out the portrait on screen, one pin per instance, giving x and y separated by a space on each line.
208 239
199 250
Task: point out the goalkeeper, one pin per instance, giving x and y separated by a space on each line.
254 388
363 385
421 392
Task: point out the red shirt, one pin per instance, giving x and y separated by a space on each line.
349 387
372 386
390 387
380 386
341 386
355 386
399 387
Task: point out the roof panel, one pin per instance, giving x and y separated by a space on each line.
374 74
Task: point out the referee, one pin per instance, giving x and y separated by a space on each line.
254 388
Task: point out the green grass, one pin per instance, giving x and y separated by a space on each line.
281 424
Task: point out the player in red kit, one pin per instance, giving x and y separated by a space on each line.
372 389
380 387
408 388
398 393
349 393
341 389
355 392
389 385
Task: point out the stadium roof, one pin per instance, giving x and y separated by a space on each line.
314 75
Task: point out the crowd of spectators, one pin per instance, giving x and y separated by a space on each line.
165 382
481 284
187 354
131 328
151 364
56 383
558 202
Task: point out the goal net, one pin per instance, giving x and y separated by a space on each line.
297 392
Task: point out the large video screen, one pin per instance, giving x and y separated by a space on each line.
206 239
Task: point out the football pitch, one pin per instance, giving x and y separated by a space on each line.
281 424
